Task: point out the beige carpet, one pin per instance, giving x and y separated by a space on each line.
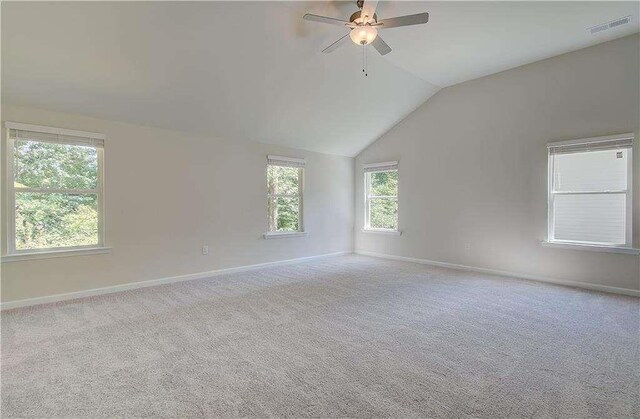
346 336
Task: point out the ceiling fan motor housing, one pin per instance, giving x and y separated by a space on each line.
355 16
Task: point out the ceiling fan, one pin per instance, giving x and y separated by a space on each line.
364 26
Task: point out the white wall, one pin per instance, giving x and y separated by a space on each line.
473 165
168 193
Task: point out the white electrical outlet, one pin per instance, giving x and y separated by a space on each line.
205 250
467 246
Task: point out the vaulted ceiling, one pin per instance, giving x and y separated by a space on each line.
254 70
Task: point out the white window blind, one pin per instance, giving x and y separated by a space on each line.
285 161
381 167
55 138
44 134
590 193
604 143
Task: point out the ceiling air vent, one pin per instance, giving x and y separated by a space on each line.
610 25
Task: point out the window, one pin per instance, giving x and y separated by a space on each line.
381 197
590 188
285 184
54 189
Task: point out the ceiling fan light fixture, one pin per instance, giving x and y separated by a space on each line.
363 35
364 26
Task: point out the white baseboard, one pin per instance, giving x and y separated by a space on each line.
160 281
596 287
168 280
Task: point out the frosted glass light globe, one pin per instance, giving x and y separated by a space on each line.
363 35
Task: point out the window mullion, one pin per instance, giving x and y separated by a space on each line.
283 195
604 192
58 190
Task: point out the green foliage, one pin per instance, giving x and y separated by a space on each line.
287 209
284 200
46 219
384 183
383 211
282 180
47 165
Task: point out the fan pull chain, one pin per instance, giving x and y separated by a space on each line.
366 64
365 68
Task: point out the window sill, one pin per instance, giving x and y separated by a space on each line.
284 235
382 231
591 247
54 254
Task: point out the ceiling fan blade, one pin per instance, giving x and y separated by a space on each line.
336 44
381 46
369 8
394 22
324 19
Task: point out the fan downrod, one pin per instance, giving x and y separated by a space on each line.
358 14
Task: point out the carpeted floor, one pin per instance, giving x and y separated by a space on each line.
345 336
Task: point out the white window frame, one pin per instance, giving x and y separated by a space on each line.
388 166
300 164
65 135
581 145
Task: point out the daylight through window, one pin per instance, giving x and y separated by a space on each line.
590 191
285 184
55 190
381 200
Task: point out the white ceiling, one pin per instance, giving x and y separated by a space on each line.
467 40
253 70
